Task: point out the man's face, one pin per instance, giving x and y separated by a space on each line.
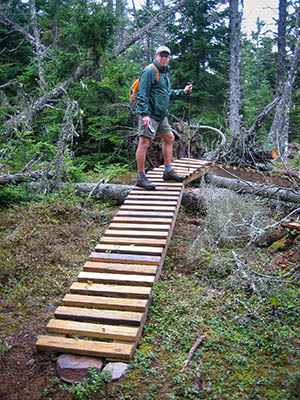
163 58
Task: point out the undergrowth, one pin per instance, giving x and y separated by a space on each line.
243 299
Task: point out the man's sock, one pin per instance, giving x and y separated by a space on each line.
168 168
141 174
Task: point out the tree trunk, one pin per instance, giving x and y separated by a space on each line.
271 192
281 44
235 64
37 42
280 125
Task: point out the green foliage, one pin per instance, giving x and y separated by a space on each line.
88 387
11 194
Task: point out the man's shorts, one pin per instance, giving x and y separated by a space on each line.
160 127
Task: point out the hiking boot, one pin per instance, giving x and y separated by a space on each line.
145 183
173 176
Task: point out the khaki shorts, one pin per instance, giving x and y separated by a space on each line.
160 127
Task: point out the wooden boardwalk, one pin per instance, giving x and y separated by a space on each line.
105 311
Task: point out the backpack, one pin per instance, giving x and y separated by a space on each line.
135 86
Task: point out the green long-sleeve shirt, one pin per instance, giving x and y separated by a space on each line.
153 96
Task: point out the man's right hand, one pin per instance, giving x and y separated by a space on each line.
146 121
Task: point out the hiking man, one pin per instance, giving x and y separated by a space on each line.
152 101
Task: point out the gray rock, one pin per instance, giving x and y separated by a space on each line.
116 370
73 369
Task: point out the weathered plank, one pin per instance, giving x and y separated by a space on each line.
90 314
92 266
141 226
86 347
131 249
125 258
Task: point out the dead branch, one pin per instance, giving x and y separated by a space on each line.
160 18
195 346
251 313
242 270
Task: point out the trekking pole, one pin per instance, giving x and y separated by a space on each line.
189 128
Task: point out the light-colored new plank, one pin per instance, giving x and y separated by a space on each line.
147 207
108 303
128 241
113 332
141 226
129 219
98 277
142 214
95 289
150 202
136 234
85 347
91 266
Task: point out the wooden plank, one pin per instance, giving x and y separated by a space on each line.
152 198
95 289
85 347
90 314
98 277
136 234
125 258
91 266
149 202
128 219
147 207
141 226
116 248
166 191
113 332
136 241
143 214
108 303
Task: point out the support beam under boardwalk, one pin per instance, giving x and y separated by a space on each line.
108 304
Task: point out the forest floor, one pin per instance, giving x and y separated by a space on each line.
252 345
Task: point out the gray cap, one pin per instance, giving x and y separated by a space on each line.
163 49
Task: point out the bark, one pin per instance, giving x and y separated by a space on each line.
235 63
270 192
280 125
281 44
37 44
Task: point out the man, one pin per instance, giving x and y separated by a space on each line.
153 97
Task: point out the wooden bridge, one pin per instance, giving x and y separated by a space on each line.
105 311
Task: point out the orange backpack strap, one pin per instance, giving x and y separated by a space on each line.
157 73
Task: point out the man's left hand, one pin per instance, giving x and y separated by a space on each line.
188 89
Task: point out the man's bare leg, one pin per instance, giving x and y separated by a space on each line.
140 155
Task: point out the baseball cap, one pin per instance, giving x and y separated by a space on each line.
162 49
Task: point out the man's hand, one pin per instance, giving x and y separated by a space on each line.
146 121
188 89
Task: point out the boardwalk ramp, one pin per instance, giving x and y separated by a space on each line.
105 310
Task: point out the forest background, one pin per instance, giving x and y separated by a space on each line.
67 67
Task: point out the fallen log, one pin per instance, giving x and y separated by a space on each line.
266 191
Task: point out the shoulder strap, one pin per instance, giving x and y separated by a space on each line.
157 73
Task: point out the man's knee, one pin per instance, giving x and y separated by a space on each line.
144 142
168 137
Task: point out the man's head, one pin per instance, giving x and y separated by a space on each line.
162 55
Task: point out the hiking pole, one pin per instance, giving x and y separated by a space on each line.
189 128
